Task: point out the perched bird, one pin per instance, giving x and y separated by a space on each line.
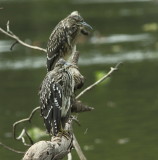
63 38
57 95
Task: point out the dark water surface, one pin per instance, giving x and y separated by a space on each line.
123 125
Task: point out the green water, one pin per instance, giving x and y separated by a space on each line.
123 125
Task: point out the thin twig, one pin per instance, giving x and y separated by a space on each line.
74 118
24 120
21 137
11 35
30 139
85 132
75 142
11 48
78 149
11 149
99 81
74 56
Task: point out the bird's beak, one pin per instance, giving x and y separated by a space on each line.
86 25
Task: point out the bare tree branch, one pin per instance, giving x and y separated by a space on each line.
99 81
74 57
10 34
11 48
11 149
55 149
21 136
78 149
78 107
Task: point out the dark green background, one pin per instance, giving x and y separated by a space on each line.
123 125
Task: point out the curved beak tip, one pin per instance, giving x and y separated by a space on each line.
87 25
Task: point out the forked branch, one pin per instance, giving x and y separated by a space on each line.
112 69
59 146
22 121
10 34
56 149
10 149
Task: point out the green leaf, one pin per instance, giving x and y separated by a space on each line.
99 75
36 133
151 27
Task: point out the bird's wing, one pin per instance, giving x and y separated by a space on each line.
56 47
56 99
51 103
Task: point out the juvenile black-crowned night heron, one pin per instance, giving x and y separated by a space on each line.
63 38
57 95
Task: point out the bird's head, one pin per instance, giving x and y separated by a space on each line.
75 20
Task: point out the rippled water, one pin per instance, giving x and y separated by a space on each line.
123 125
97 59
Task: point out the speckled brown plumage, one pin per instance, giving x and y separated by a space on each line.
63 38
57 95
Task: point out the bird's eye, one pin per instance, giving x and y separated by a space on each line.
78 18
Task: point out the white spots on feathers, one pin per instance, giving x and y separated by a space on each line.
59 94
50 109
56 103
55 126
54 55
63 24
53 86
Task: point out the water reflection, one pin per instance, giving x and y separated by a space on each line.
133 56
97 39
27 63
39 62
5 45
